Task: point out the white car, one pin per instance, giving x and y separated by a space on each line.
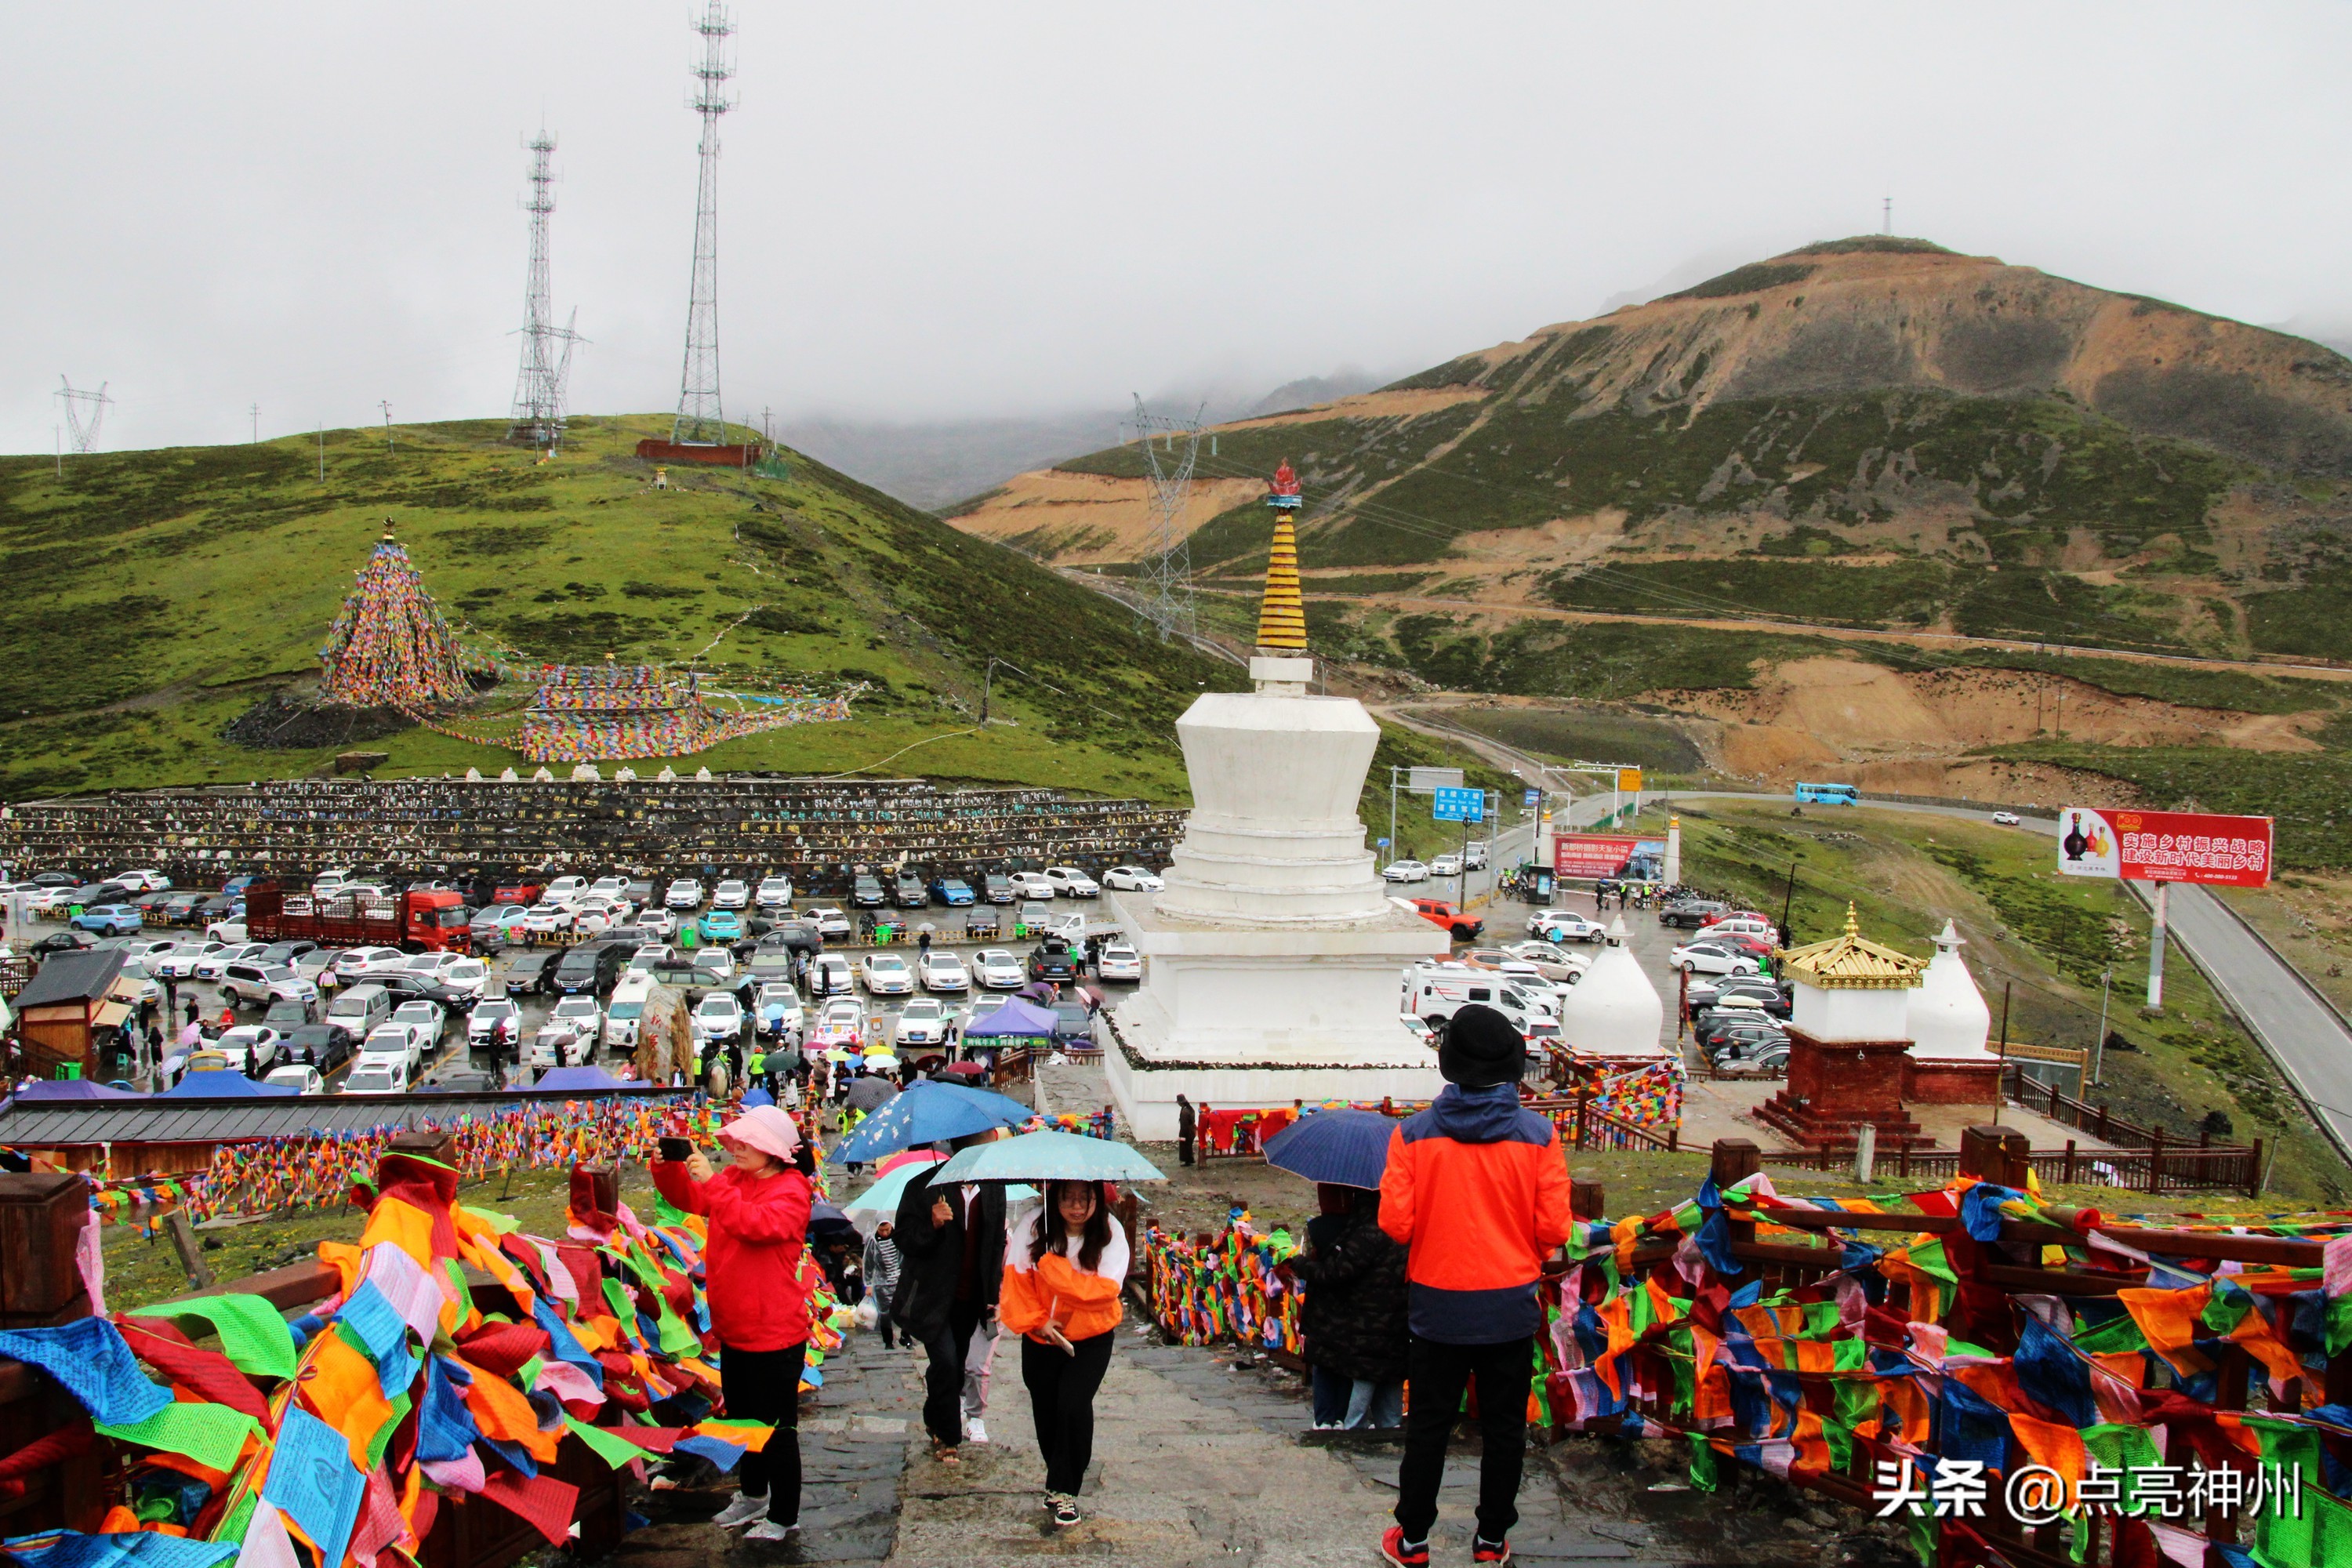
713 965
1133 879
659 921
495 1023
830 976
1711 958
840 1023
143 881
829 921
731 894
231 932
468 975
404 1038
1406 871
685 893
248 1045
597 913
503 923
775 892
2006 818
885 975
778 1008
1032 885
317 962
547 918
1553 962
717 1017
1738 925
566 890
923 1022
357 963
426 1017
142 983
1119 961
1071 882
301 1079
180 963
377 1073
212 966
432 965
614 889
1565 925
1474 857
258 985
940 970
997 969
1447 864
556 1045
581 1015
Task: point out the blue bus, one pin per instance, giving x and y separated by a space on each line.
1830 794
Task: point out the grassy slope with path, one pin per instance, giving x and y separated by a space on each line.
2048 936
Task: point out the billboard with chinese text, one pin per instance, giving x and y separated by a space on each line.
2165 846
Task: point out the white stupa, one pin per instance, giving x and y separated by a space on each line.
508 776
1613 1011
1948 1015
1273 952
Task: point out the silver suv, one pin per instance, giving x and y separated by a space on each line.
258 985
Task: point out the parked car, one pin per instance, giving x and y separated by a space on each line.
529 973
1071 882
776 1008
1446 917
1553 962
425 1016
922 1022
685 893
495 1025
1133 879
1073 1025
402 987
997 969
301 1079
180 963
885 975
369 962
1693 913
1711 958
1053 959
1118 960
1447 864
289 1014
106 920
583 1016
908 892
257 986
829 921
63 941
378 1074
249 1047
565 890
720 925
143 882
591 969
830 976
840 1026
406 1039
1032 885
717 1017
1565 925
997 888
455 1079
775 892
940 970
323 1046
954 892
867 893
731 894
1406 871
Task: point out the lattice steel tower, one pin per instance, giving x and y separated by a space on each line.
85 412
1164 597
699 418
539 409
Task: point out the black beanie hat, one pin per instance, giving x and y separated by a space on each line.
1481 1050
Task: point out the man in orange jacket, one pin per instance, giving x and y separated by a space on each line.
1477 1191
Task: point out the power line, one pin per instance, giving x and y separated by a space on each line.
701 420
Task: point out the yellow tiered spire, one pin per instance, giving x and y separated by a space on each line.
1282 617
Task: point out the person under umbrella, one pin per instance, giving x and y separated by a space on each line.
1064 1265
1353 1318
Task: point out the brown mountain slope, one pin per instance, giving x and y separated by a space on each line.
1868 432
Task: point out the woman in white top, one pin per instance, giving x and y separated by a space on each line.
1064 1262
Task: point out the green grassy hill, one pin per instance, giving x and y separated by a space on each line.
154 596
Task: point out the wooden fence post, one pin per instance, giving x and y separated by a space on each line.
1993 1154
2156 1161
1587 1199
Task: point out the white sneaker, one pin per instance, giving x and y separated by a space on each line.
769 1529
738 1509
975 1430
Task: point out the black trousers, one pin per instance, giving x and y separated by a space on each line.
1438 1372
943 1377
765 1386
1061 1403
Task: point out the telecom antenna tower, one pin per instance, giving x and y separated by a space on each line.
1165 584
539 385
700 421
85 412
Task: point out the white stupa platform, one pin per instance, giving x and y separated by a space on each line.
1274 960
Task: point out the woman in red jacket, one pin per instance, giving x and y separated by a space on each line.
757 1209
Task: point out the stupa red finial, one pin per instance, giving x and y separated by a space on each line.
1284 493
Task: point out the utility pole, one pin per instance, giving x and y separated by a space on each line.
2156 949
323 451
387 426
1788 903
2099 1045
256 412
1887 218
2001 1076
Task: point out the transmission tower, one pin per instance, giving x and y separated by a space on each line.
539 387
1165 584
85 412
700 420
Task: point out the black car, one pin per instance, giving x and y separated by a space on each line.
866 893
591 969
286 1016
996 888
532 970
58 880
150 905
419 988
1053 959
1716 1033
68 941
911 893
1776 1001
1693 913
286 952
460 1080
91 894
1073 1025
640 892
330 1045
793 938
219 906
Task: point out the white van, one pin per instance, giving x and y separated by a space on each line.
1435 991
360 1009
626 1011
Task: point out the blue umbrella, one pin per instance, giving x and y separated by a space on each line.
925 1113
1344 1148
1049 1156
228 1085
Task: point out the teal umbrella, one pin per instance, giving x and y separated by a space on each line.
1049 1156
882 1197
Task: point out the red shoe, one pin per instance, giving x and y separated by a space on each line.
1393 1548
1484 1550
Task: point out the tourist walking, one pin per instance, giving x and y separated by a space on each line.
1185 1127
1064 1265
758 1210
882 1277
950 1259
1477 1194
1353 1318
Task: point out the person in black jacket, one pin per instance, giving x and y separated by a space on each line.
1354 1320
950 1264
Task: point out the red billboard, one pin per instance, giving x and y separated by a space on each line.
1596 853
2165 847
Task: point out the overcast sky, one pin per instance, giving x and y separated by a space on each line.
931 212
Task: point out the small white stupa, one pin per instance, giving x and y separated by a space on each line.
1948 1018
1613 1011
586 773
542 777
702 775
509 776
473 775
668 775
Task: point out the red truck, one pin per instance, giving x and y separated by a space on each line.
431 920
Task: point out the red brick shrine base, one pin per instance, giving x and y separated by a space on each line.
1836 1089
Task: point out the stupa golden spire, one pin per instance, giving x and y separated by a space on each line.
1282 616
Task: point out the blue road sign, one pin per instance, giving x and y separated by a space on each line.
1534 798
1458 806
1379 843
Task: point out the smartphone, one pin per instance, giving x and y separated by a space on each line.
677 1149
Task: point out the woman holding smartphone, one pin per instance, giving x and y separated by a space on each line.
1063 1265
758 1210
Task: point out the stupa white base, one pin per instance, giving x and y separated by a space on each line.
1230 1018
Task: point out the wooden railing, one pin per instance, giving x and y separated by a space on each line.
1582 1127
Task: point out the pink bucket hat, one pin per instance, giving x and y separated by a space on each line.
767 1129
